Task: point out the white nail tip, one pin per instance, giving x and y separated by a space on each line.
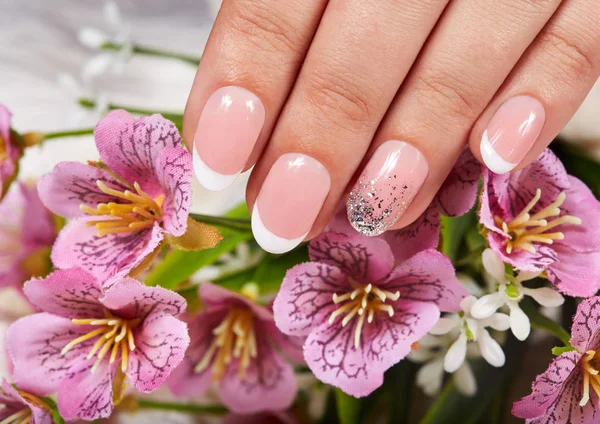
208 178
492 159
269 241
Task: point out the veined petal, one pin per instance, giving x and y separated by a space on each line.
585 331
458 193
456 354
545 296
487 305
421 235
575 274
490 349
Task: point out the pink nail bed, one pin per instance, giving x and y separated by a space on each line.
512 131
388 184
289 201
229 126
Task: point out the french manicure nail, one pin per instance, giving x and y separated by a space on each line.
229 126
388 184
512 131
289 201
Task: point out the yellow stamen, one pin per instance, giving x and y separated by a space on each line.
233 338
138 211
526 229
3 149
21 417
591 376
364 300
114 335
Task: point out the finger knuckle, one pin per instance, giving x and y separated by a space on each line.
575 55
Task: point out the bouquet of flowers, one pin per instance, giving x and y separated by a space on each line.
431 323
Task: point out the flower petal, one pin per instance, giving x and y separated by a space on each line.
428 277
431 376
160 345
497 321
585 331
575 274
130 147
12 400
366 259
458 193
422 234
487 305
465 380
40 230
493 265
72 184
490 349
213 295
305 299
456 355
71 293
545 296
5 118
519 322
174 172
581 203
445 325
332 356
291 346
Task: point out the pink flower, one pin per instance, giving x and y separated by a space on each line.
123 207
568 392
455 198
541 219
233 345
19 407
86 342
360 312
27 231
10 152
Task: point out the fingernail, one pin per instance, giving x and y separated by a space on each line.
388 184
229 126
289 201
513 130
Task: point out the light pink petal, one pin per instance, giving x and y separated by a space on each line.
160 345
13 401
213 295
330 353
459 191
556 394
262 418
174 171
305 299
130 147
78 246
11 277
421 235
40 228
522 260
488 200
35 343
269 384
71 293
86 395
575 274
72 184
366 259
291 346
128 298
339 221
585 331
428 277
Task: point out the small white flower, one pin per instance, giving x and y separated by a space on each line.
510 293
79 89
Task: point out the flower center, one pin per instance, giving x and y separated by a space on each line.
38 263
364 300
114 335
525 229
3 149
21 417
138 213
590 364
233 338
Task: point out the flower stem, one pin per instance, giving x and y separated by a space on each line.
182 407
150 51
173 116
69 133
542 322
230 223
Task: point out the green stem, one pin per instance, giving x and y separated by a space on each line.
542 322
69 133
90 104
231 223
182 407
150 51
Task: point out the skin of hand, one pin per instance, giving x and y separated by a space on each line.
372 101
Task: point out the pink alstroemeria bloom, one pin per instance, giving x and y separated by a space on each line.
87 341
542 219
123 207
27 232
10 152
234 345
360 310
568 392
17 407
455 198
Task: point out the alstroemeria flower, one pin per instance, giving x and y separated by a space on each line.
568 392
362 313
124 206
27 232
509 293
17 407
87 341
10 152
540 219
234 346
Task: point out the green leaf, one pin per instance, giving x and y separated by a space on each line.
453 231
348 407
56 418
579 164
559 350
542 322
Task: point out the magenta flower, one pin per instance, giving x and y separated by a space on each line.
541 219
568 392
233 345
27 232
86 342
10 152
17 407
360 312
124 206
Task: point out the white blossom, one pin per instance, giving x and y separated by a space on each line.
80 89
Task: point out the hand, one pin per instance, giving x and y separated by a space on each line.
377 98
